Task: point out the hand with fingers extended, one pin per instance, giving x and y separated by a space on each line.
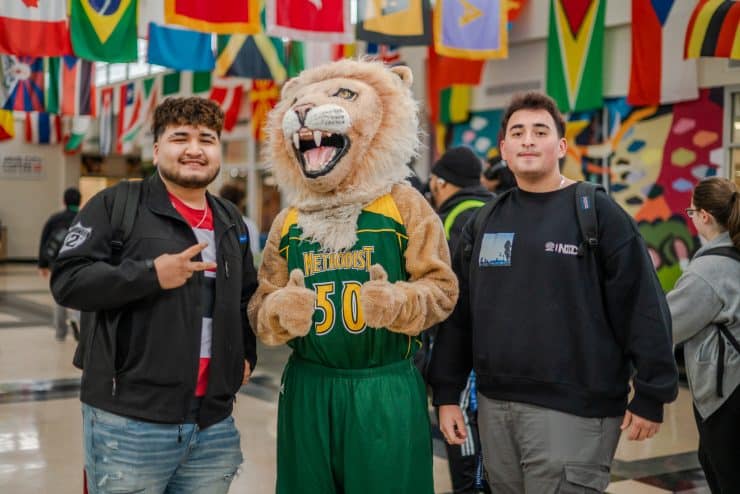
381 300
174 270
638 428
452 424
292 306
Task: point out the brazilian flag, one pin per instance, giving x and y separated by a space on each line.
104 30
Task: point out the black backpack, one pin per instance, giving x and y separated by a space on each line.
722 330
585 210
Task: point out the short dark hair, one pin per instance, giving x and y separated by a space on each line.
192 110
533 101
72 197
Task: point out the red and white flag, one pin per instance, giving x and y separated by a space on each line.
34 28
310 20
229 99
43 128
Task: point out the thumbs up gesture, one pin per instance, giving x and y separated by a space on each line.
381 301
293 305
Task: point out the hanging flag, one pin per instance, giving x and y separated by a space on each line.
254 57
294 58
399 23
714 30
454 104
445 72
472 29
104 30
30 29
340 51
229 99
106 121
659 74
77 132
389 55
137 102
71 88
263 97
318 20
7 125
180 49
23 81
513 9
43 128
185 83
225 17
575 45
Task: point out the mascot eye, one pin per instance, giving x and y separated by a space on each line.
345 93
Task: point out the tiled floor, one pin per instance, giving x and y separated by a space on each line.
40 426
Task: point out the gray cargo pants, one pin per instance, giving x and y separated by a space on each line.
535 450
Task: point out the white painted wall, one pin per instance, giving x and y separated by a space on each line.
25 205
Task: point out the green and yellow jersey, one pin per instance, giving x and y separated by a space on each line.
339 337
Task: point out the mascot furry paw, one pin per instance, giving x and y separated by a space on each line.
353 270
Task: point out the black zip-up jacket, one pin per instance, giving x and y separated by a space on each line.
57 221
141 358
475 193
545 326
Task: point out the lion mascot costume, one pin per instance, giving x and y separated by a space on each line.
353 270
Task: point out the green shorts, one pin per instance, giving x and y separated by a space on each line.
353 431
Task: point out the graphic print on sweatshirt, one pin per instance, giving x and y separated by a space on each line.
496 249
201 221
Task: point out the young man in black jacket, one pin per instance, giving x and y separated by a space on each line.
171 343
457 194
553 333
54 230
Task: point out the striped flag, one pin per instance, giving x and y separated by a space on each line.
43 128
317 20
224 17
106 133
454 104
229 99
71 86
473 29
137 101
7 125
254 57
104 30
714 30
263 97
28 28
185 83
395 23
659 74
23 83
575 46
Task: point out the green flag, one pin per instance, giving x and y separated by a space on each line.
104 31
186 83
575 58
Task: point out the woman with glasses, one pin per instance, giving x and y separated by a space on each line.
705 307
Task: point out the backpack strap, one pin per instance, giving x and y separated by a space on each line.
125 207
459 208
725 251
586 213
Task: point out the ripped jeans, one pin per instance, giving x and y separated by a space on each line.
124 455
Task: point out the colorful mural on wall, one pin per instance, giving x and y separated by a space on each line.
650 160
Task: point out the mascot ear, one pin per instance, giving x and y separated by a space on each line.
404 73
289 86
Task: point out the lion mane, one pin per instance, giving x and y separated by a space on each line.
367 112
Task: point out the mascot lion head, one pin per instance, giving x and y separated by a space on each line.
339 138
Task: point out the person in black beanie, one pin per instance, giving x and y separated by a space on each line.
456 195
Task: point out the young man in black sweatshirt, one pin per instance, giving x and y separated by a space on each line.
553 333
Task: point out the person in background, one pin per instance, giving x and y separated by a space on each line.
234 192
456 195
52 236
705 307
497 177
171 344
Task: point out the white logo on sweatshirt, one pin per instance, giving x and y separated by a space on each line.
559 248
76 236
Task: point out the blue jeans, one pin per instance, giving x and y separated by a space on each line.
124 455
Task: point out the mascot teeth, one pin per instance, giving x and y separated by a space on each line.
317 138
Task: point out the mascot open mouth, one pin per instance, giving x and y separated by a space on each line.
318 152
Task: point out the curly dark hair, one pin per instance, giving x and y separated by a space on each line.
192 110
533 101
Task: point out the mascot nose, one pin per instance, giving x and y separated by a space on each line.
302 111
